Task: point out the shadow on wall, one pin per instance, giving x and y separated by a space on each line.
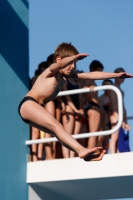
38 193
14 38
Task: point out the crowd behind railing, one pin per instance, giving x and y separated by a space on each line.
82 113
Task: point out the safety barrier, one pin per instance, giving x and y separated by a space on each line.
130 118
87 135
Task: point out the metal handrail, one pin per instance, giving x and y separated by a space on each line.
87 135
129 117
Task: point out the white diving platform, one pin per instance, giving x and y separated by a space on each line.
75 179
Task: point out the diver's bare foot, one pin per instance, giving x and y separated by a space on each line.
95 157
94 154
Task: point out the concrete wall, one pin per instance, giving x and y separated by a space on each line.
14 83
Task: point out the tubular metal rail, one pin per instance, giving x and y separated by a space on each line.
87 135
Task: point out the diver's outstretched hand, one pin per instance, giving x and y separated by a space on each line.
81 56
122 75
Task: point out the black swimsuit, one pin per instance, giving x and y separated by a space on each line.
27 98
90 105
75 97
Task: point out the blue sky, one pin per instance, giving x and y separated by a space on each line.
103 29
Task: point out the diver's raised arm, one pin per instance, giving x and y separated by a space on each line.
66 61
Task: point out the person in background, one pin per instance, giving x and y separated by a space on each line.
50 59
83 117
43 65
92 108
104 102
114 116
71 119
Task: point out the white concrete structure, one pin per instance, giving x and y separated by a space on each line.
75 179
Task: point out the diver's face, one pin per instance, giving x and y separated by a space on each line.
67 70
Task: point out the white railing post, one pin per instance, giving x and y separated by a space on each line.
86 135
